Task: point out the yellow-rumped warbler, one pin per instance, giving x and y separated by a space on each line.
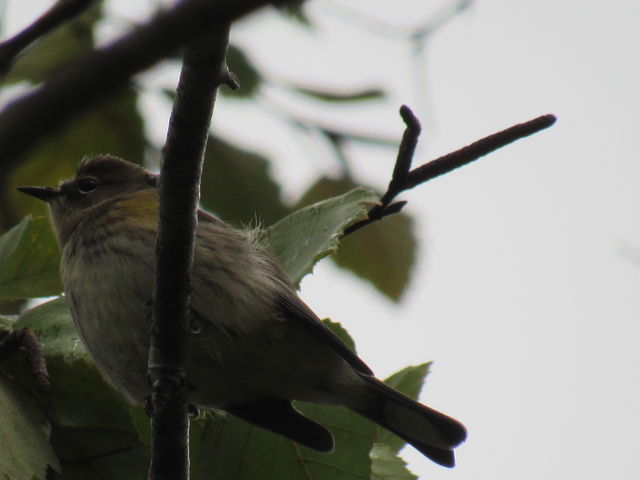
257 346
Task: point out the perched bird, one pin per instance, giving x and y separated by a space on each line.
255 345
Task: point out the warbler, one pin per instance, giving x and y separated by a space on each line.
255 346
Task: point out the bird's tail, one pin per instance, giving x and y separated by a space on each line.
430 432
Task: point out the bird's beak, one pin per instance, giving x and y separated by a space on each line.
43 193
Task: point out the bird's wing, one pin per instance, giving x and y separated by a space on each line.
295 309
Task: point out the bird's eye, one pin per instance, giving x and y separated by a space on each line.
86 185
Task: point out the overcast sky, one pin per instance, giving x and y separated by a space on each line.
526 291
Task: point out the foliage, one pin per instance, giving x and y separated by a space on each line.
392 241
29 256
82 427
312 232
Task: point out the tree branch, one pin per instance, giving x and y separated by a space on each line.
203 70
403 179
88 80
59 13
25 338
477 149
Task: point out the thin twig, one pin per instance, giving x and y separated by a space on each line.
308 124
477 149
440 19
380 27
59 13
405 154
203 71
26 339
403 179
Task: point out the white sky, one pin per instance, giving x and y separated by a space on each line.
525 295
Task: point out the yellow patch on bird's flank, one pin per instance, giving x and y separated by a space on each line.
140 208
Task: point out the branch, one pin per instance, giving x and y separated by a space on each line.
417 33
203 70
308 124
59 13
25 338
477 149
88 80
403 179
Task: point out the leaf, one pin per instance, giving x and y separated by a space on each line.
341 332
409 381
51 322
386 465
6 324
236 182
115 127
53 51
248 76
24 436
391 242
382 253
100 453
335 96
79 396
231 448
29 258
301 239
93 427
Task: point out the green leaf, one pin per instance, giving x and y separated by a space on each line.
409 381
142 424
383 253
100 453
29 258
94 428
231 448
301 239
248 76
25 451
92 425
386 465
237 185
53 51
334 96
51 322
79 396
6 324
341 332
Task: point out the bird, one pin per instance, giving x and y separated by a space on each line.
254 346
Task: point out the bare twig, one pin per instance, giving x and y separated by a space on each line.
403 179
405 154
26 339
203 70
308 124
87 81
477 149
441 18
422 30
58 14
